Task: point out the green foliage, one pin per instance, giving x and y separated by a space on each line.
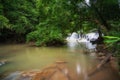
115 28
45 36
45 21
56 19
3 22
17 17
114 33
88 25
113 44
111 39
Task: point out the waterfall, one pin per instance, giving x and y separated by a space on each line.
75 39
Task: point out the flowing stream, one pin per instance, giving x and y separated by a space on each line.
22 57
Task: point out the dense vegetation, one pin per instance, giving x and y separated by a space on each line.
47 22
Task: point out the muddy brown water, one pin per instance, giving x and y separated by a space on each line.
22 57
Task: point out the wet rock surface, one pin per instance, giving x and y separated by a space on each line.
60 71
3 62
52 72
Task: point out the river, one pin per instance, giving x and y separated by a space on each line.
22 57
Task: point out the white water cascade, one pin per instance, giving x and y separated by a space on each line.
74 40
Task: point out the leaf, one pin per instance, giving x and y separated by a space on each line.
111 41
111 37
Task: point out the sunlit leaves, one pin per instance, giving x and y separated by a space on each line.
111 40
3 22
44 35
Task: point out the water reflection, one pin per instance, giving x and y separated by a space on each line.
23 57
78 68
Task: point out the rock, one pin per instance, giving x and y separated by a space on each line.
2 62
101 58
101 54
61 62
13 76
24 74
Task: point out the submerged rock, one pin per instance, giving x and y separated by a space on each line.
56 71
13 76
60 71
3 62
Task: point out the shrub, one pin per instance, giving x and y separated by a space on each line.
46 36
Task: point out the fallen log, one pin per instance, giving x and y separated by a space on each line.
104 61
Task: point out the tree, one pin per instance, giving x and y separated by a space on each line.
18 17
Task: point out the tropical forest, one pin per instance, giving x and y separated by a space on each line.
59 39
